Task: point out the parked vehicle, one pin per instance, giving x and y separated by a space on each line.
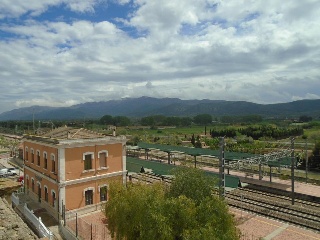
4 172
12 171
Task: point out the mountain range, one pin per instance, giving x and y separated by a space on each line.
146 106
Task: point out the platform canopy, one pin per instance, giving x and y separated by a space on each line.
230 156
286 161
135 165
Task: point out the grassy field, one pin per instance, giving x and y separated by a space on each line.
197 130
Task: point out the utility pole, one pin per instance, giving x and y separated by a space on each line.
222 182
292 170
306 160
33 121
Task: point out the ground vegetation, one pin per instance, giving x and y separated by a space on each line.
187 209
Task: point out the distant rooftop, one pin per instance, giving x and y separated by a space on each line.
68 135
65 132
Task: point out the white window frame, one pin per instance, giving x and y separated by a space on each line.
88 153
86 189
106 152
101 186
84 158
84 195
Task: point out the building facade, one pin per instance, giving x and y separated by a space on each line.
72 167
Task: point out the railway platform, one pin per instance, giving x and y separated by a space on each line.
285 185
255 227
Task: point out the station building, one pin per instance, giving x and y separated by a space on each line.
72 167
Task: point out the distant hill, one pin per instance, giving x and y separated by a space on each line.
146 106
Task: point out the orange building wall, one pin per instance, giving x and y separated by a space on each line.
44 182
42 149
74 169
74 164
75 193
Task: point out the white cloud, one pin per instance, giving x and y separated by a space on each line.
83 6
307 96
20 7
259 51
122 2
35 7
45 102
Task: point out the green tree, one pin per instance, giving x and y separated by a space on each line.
203 119
198 143
251 118
106 119
148 121
305 118
192 183
315 158
121 121
186 209
193 140
186 121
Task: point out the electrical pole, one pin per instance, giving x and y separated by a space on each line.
292 170
306 160
33 121
222 182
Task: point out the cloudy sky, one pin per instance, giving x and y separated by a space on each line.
65 52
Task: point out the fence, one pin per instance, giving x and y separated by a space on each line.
37 223
15 199
82 229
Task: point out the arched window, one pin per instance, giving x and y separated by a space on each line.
53 194
45 160
27 182
26 154
38 157
45 193
32 155
32 184
53 163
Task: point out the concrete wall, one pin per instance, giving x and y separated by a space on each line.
66 233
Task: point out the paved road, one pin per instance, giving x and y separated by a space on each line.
5 163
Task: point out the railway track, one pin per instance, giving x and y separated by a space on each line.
277 207
284 199
303 213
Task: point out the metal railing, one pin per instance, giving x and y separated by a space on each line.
37 223
82 229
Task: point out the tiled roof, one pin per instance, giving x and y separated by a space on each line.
71 133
